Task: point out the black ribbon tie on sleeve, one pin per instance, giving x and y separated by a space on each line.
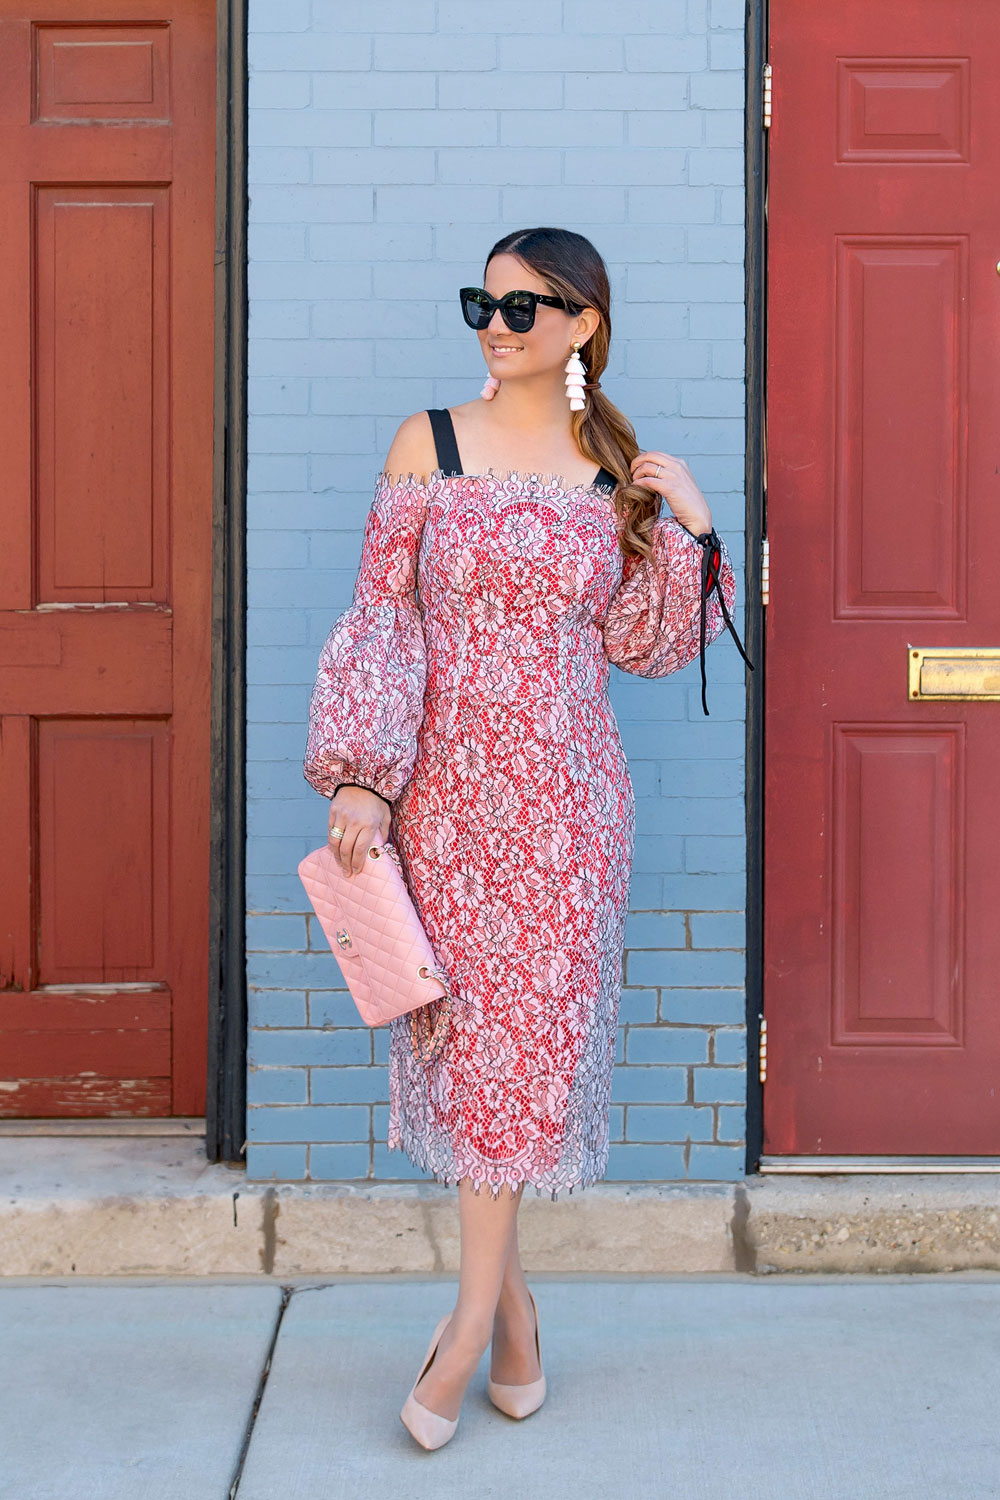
711 562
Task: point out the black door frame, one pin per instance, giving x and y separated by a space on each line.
756 30
227 1044
225 1100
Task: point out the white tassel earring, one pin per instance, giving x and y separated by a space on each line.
576 379
490 389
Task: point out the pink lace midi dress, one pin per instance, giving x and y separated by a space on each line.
467 684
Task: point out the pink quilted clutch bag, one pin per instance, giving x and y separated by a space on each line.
378 940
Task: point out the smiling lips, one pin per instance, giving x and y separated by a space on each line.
502 349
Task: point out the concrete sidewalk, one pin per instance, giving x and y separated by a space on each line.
708 1388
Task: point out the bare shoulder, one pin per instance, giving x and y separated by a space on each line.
466 413
412 450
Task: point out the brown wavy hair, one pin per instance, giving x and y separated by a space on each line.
574 269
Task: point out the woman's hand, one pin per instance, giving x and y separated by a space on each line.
363 816
671 478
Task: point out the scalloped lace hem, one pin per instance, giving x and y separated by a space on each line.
420 1157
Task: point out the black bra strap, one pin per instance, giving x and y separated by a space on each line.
443 427
450 462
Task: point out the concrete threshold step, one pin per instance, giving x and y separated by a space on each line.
156 1206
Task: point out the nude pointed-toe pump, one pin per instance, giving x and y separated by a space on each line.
520 1400
429 1428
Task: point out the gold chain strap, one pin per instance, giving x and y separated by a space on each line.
425 1050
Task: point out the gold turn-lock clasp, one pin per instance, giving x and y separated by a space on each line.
957 674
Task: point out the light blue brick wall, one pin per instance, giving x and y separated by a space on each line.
391 144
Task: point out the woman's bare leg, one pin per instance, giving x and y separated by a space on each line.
515 1359
486 1224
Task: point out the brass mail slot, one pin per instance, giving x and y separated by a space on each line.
960 673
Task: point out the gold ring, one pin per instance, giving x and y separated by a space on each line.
336 833
657 474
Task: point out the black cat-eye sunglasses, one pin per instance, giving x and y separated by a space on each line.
516 308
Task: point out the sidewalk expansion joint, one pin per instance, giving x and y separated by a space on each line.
287 1293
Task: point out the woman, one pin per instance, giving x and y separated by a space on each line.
461 702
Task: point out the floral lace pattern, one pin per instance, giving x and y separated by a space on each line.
467 683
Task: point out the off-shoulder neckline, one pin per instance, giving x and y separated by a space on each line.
504 476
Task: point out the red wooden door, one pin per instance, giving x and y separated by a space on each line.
882 812
107 123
